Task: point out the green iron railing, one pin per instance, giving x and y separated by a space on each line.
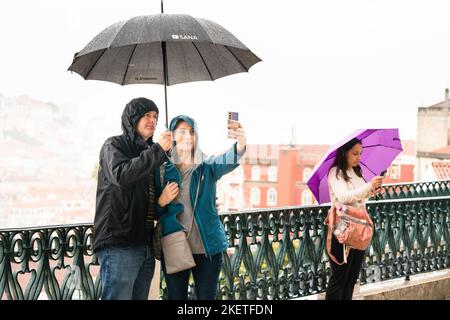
280 254
414 190
56 259
273 254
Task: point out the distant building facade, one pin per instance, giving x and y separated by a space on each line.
433 141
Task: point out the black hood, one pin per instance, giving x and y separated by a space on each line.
133 111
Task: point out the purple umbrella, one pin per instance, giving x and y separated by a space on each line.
380 147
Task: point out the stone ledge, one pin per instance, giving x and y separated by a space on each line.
426 286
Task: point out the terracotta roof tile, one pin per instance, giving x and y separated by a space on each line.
441 169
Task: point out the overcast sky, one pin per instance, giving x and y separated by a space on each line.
329 67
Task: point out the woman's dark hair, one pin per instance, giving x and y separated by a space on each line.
341 160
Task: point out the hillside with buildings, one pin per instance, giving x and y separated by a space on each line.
45 164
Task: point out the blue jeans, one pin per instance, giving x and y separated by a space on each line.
126 271
206 278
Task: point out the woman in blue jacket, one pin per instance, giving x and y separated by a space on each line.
181 176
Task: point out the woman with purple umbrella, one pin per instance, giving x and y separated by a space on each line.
341 177
347 186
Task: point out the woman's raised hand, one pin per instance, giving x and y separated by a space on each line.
376 183
236 131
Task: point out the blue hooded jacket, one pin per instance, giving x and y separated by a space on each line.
207 172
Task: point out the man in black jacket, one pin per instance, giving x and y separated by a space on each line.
125 203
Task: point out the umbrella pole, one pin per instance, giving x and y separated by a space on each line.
163 45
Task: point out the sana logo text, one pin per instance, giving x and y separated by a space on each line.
183 37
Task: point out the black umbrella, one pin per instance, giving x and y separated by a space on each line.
163 49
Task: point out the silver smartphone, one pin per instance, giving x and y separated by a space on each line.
233 117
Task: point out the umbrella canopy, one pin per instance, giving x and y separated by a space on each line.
380 147
163 49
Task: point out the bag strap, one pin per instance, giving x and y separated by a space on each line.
195 202
330 221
